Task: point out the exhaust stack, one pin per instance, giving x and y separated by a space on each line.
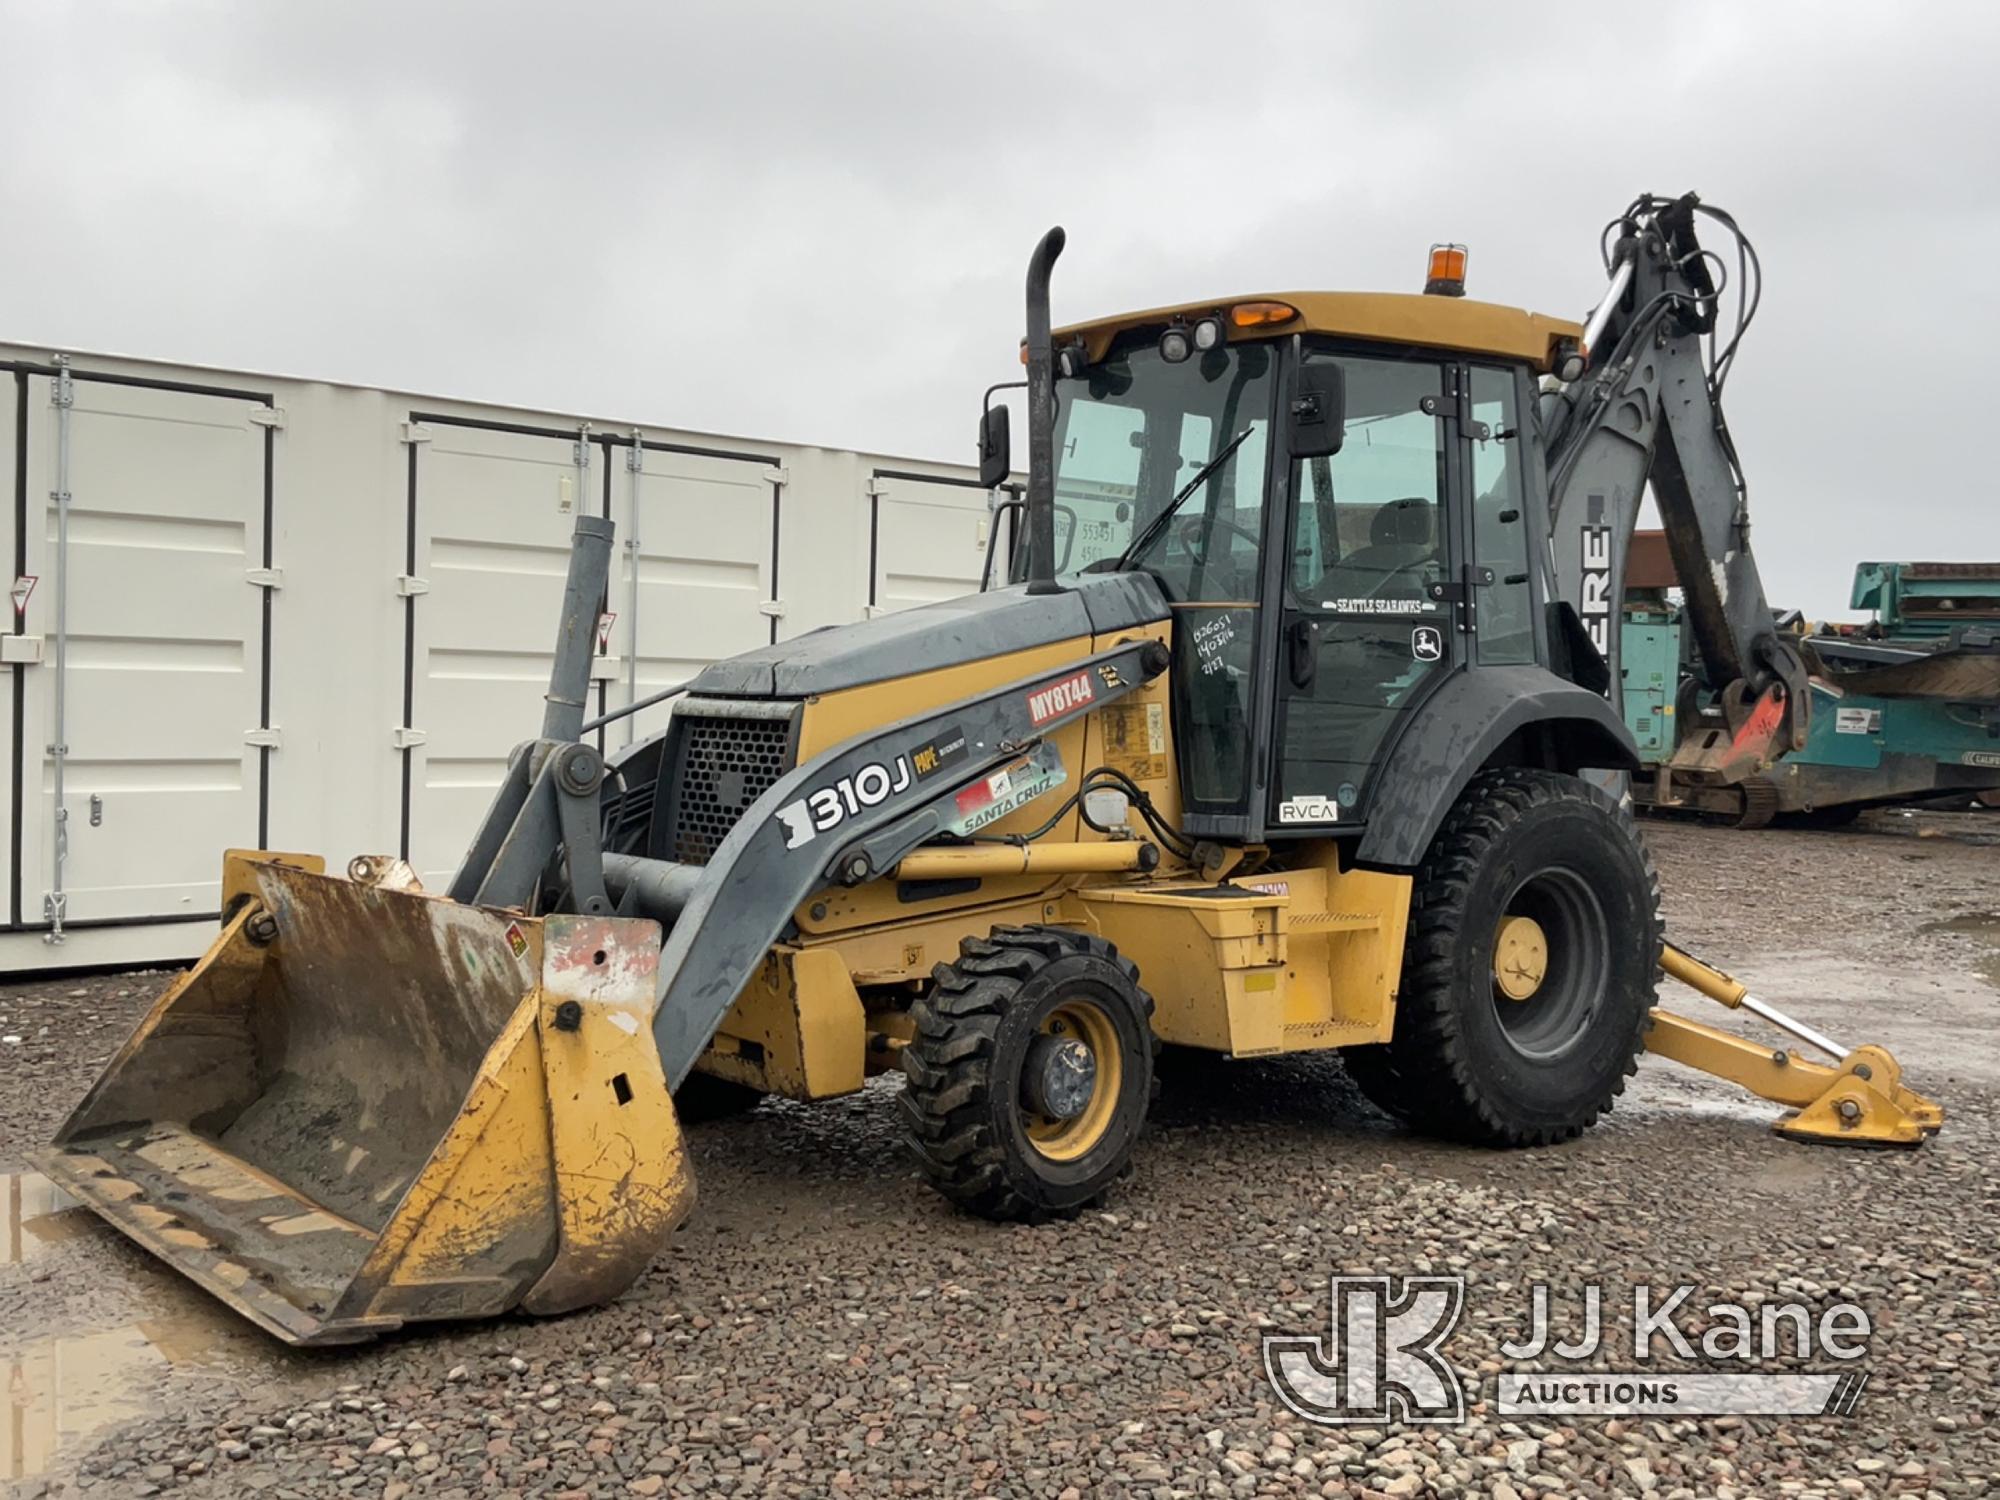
1041 420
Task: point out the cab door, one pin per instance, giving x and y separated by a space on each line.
1369 624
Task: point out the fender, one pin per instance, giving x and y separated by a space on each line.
1455 734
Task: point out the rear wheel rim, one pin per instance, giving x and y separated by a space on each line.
1544 1019
1080 1018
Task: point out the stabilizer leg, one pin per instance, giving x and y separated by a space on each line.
1861 1101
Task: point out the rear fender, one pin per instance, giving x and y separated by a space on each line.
1461 729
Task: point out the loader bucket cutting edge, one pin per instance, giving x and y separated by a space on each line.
368 1106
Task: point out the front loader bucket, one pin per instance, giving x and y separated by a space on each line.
367 1106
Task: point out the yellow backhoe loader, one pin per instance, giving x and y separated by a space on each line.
1287 732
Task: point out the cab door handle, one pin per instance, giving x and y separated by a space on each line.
1302 652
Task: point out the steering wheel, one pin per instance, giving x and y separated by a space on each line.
1194 526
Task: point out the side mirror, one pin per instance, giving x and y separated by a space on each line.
996 448
1318 416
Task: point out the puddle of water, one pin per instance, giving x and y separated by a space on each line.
34 1214
1981 925
58 1390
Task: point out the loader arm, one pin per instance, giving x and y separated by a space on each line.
775 857
1648 410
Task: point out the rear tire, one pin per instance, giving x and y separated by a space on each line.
970 1109
1493 1045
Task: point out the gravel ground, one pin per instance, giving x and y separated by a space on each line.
823 1324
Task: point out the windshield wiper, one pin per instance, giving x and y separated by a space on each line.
1152 529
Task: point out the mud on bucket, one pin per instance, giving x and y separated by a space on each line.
367 1106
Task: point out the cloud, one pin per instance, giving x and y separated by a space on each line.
809 222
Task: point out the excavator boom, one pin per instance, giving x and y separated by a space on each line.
1647 411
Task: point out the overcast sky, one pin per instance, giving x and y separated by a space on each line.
808 221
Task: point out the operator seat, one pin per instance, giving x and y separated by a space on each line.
1401 535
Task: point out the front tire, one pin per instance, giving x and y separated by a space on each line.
1030 1072
1529 970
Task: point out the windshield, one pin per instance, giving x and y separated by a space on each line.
1131 431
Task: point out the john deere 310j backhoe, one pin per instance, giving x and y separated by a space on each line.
1289 734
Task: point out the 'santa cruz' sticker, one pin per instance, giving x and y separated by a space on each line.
825 809
1007 790
1309 810
1060 697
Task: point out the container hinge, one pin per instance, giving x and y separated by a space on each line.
264 578
403 737
268 416
775 608
269 739
408 587
876 487
635 456
416 432
779 475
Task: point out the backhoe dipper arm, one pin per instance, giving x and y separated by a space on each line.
1648 409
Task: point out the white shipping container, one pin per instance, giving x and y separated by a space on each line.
312 617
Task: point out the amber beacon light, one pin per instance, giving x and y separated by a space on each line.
1447 272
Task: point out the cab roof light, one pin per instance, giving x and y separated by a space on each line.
1262 314
1447 272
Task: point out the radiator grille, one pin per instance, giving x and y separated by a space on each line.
724 765
627 816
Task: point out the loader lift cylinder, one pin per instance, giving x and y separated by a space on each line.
576 636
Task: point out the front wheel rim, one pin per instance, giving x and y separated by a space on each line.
1080 1019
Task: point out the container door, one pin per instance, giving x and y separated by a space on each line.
928 540
493 512
14 677
692 579
167 665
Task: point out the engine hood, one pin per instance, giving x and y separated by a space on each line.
947 634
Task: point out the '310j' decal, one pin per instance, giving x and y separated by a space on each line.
825 809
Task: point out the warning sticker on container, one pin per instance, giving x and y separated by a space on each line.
517 940
1857 720
1007 790
1135 739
